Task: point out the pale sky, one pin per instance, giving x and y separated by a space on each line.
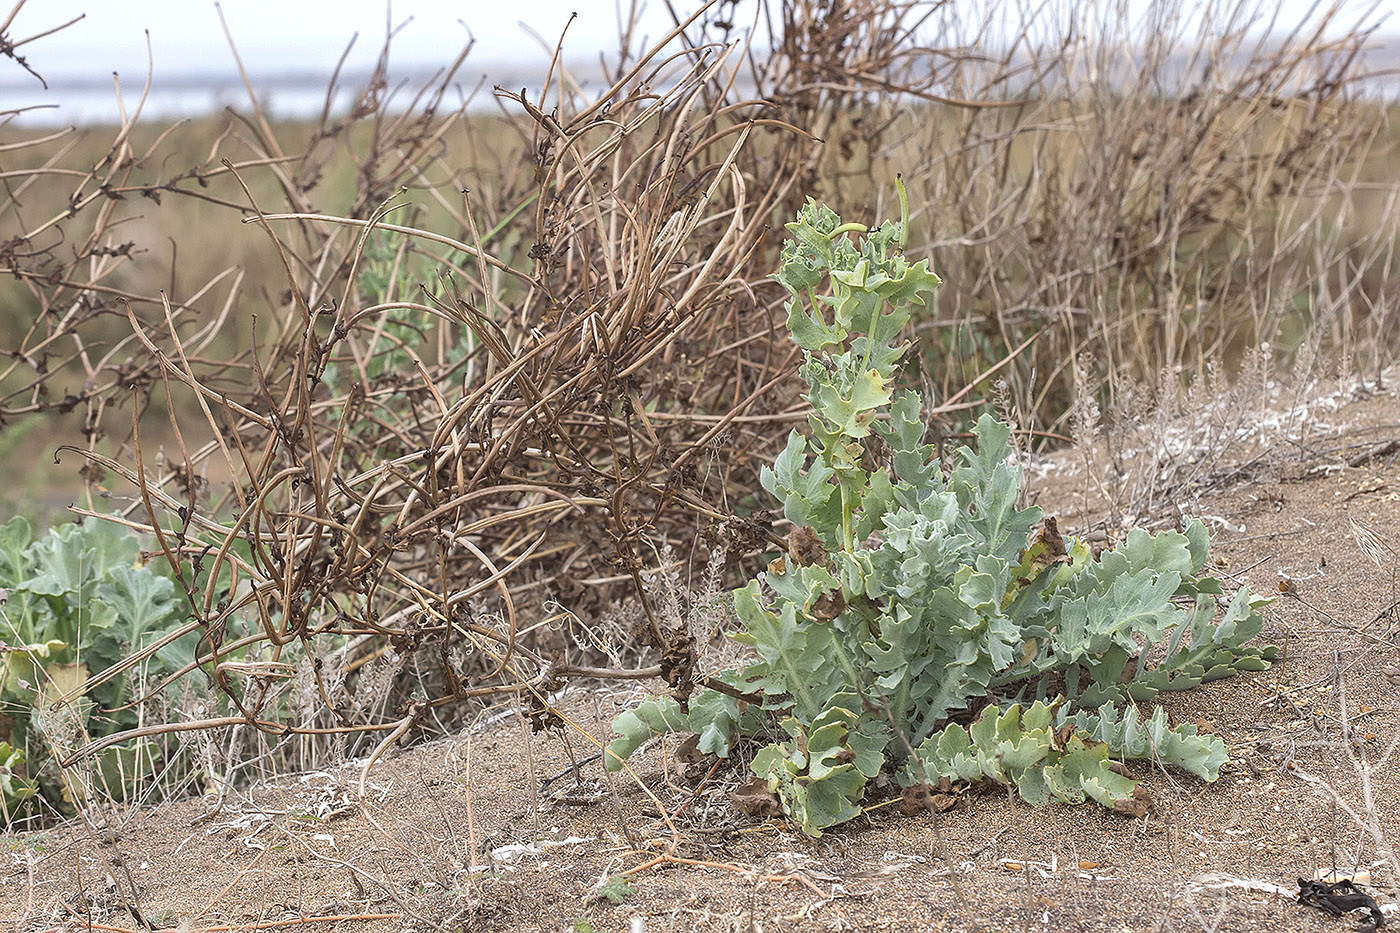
278 37
307 36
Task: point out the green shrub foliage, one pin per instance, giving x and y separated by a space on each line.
922 624
77 601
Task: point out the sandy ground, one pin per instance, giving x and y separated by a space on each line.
457 835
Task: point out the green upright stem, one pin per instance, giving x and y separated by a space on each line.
848 543
903 210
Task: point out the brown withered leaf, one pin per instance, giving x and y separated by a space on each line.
543 716
829 605
1047 550
688 752
754 798
921 798
678 665
1054 543
748 534
692 763
805 548
1135 806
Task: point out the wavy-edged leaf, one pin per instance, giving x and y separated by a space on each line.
803 485
1184 747
636 726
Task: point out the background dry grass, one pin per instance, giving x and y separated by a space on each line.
413 399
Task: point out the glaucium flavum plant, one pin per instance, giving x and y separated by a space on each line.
913 594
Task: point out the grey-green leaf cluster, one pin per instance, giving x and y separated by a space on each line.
77 601
936 600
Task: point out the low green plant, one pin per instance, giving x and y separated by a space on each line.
77 601
14 788
391 272
614 890
921 623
